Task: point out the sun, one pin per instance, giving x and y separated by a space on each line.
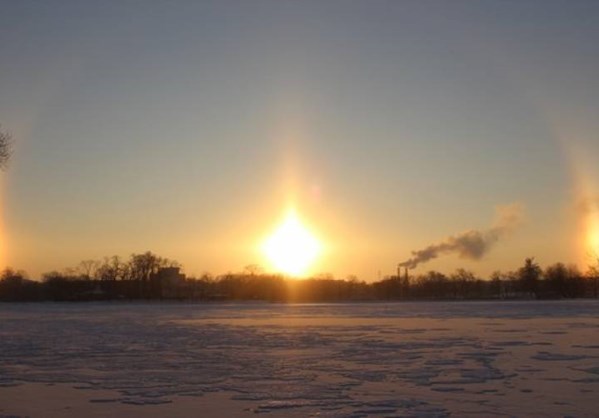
292 249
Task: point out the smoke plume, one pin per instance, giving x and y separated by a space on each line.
473 244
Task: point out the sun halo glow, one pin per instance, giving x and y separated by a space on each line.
292 249
593 233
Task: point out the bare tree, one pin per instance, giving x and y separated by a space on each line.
252 270
593 275
111 269
5 147
143 266
462 282
557 278
88 268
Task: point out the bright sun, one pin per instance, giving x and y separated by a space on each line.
291 249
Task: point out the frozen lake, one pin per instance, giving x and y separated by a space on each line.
437 359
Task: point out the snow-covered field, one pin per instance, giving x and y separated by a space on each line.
479 359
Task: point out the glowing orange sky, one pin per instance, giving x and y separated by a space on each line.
388 126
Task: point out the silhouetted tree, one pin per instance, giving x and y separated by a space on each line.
497 284
252 269
593 276
87 268
57 286
462 283
564 282
14 286
142 267
556 277
389 288
149 276
529 276
111 269
575 286
432 285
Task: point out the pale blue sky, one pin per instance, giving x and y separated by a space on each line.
180 127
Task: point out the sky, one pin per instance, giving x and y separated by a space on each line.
190 128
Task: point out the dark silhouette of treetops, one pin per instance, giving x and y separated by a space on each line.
147 276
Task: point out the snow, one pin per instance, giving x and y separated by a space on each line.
425 359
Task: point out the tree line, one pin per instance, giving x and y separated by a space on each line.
147 276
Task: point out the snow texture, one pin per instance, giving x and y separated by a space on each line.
332 360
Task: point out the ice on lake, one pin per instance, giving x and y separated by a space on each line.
425 359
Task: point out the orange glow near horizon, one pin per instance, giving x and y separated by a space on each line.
592 238
292 249
585 189
3 234
589 216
